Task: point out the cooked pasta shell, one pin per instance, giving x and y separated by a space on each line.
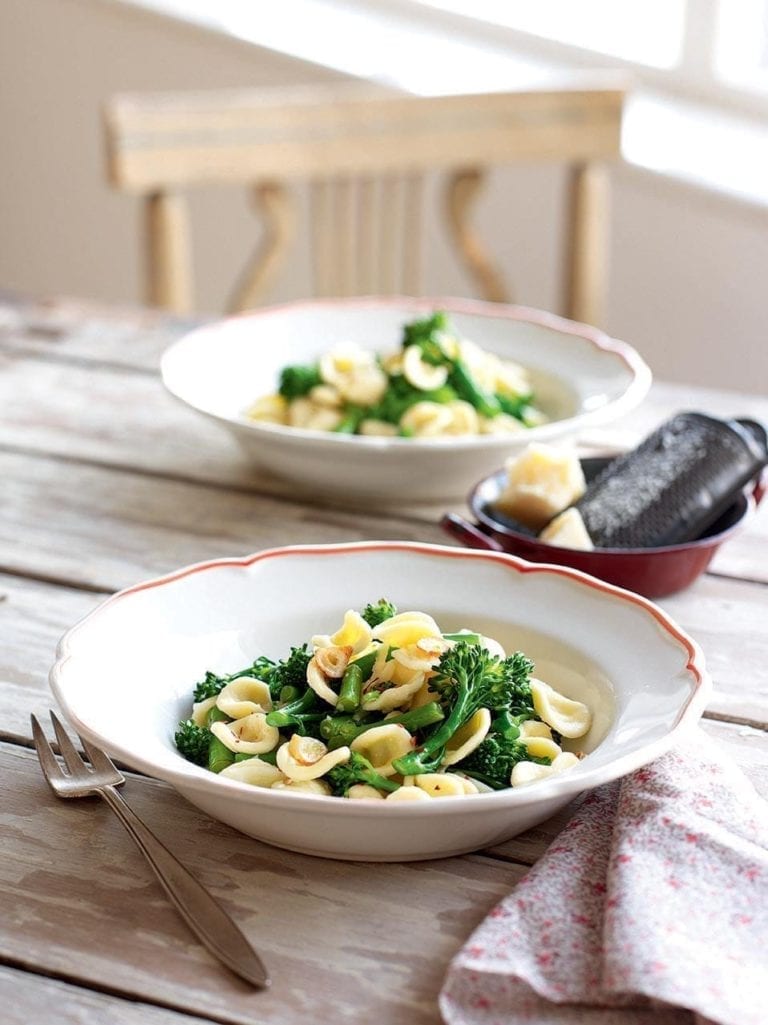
392 697
421 374
534 728
408 793
502 423
364 386
570 718
364 792
464 418
271 409
377 428
382 744
318 682
200 711
406 628
253 771
305 758
423 696
468 737
305 786
440 784
250 735
426 419
423 655
529 772
541 747
325 395
243 696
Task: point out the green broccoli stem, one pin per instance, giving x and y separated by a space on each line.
289 694
219 755
266 756
351 689
366 663
507 725
514 405
292 714
462 635
340 731
467 388
350 420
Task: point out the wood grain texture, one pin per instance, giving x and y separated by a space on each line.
108 481
343 942
28 998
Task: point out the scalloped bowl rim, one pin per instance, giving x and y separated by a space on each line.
578 779
640 375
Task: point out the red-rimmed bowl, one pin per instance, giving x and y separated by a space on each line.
653 572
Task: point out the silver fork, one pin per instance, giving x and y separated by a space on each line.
212 926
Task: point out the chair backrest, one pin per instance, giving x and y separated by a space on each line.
364 155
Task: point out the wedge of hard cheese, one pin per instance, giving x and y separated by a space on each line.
541 481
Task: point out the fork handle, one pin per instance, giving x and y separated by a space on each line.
207 920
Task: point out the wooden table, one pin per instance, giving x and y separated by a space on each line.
106 481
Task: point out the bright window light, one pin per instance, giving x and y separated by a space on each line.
646 31
742 43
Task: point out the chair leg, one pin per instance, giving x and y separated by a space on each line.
586 243
169 272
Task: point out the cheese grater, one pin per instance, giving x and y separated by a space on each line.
675 484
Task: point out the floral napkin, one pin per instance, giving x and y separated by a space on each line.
650 906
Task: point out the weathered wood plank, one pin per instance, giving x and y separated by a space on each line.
28 998
343 942
102 528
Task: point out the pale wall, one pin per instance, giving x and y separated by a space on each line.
687 269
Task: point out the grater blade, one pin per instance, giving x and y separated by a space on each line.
675 484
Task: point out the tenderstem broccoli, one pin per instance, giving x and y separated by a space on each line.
493 760
468 677
192 741
358 770
341 730
298 380
377 612
213 683
219 755
301 715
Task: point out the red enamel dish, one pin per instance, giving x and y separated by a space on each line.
653 572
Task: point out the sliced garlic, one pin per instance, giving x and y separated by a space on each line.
570 718
318 682
307 758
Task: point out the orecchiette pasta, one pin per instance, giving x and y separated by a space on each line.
387 707
435 385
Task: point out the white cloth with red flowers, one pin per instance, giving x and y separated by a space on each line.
650 906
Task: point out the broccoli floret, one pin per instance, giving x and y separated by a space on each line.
213 684
426 334
192 741
493 760
376 613
291 671
297 380
357 770
468 677
341 730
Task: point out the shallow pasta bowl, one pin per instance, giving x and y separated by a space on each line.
580 376
642 676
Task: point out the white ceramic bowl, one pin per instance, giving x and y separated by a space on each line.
644 679
580 376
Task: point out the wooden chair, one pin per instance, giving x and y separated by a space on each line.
364 155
